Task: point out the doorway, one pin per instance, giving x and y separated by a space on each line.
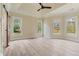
46 30
43 29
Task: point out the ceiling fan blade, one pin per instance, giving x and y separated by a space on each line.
47 7
38 9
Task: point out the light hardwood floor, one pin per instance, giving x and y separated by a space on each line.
42 47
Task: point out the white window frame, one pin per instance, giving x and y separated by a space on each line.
66 20
57 20
13 18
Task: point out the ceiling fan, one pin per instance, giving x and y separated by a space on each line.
43 7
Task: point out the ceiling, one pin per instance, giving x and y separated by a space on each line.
67 9
31 8
34 7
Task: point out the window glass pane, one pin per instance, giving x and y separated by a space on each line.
40 27
56 26
71 26
17 26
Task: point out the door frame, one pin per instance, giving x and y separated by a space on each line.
7 33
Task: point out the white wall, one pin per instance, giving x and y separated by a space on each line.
50 24
71 36
62 19
29 27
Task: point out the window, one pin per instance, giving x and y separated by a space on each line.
40 27
17 25
71 25
56 26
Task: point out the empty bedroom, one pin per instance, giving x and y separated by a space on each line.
40 29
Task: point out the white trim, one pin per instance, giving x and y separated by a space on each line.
13 35
67 19
58 21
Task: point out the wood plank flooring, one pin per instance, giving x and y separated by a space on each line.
42 47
